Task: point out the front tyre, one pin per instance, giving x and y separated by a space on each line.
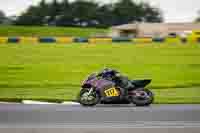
142 97
88 99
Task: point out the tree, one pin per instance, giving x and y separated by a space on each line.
55 9
125 11
31 17
35 15
66 17
152 14
2 17
84 12
43 12
105 15
198 18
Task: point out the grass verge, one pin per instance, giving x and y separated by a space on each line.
50 72
49 31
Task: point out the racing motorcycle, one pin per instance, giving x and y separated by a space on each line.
98 89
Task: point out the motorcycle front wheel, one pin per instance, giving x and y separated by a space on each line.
86 98
142 97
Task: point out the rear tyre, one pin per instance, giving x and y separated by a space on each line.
145 98
88 100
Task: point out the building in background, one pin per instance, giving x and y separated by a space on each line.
153 29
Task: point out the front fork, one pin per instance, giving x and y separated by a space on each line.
90 91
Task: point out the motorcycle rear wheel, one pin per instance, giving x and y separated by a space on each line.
88 100
143 102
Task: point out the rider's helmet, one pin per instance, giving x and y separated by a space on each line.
108 73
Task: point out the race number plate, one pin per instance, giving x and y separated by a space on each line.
112 92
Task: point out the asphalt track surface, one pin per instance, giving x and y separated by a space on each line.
20 118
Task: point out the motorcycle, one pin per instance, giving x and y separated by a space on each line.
95 90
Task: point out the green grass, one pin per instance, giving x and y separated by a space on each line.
55 71
49 31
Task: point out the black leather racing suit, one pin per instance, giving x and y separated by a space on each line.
124 82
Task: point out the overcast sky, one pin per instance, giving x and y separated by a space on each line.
174 10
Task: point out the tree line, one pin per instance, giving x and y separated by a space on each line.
84 13
2 16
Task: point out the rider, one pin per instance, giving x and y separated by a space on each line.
120 80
